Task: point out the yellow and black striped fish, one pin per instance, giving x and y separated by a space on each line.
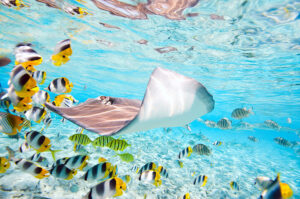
35 114
23 83
62 52
39 76
4 164
100 171
163 171
147 166
102 141
77 162
112 187
27 57
201 179
185 152
186 196
151 176
40 98
20 104
61 171
79 138
12 124
118 145
31 168
234 186
60 85
201 149
13 3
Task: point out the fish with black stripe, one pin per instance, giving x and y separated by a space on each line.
62 52
39 159
240 113
234 186
32 168
11 124
4 102
20 104
35 114
79 138
39 76
4 164
100 171
151 177
112 187
23 84
201 149
283 142
217 143
61 171
74 10
39 142
60 85
117 145
27 57
201 179
224 123
102 141
41 97
253 139
185 152
24 147
147 166
163 171
186 196
64 100
47 121
13 3
77 162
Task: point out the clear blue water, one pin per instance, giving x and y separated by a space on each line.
247 59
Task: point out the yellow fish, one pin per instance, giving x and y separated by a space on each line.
23 84
60 85
4 164
32 168
64 100
12 124
102 141
62 52
118 145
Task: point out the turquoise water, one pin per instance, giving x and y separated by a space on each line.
244 60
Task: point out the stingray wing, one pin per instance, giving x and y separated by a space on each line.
96 116
170 100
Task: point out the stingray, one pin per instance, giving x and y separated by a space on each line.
170 100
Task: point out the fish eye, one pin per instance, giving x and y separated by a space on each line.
28 89
64 56
24 105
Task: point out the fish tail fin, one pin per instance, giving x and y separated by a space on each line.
75 146
11 153
53 153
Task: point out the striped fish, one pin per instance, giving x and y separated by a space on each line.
31 168
61 171
77 162
224 123
147 166
201 149
185 152
20 104
134 169
163 171
23 84
102 141
253 139
234 186
80 139
4 102
39 159
24 147
27 57
151 176
186 196
112 187
62 52
47 121
60 85
201 179
271 124
100 171
41 97
4 164
240 113
12 124
35 114
283 142
117 145
217 143
39 76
